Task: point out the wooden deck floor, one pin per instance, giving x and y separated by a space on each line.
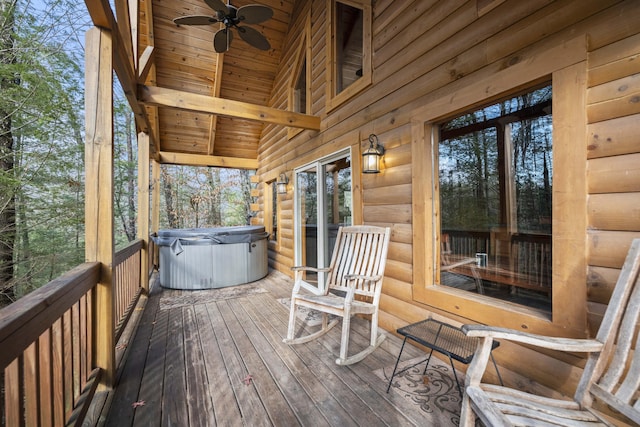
189 362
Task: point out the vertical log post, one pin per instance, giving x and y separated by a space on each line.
155 197
155 204
143 207
99 245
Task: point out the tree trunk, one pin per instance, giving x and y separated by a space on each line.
245 185
131 178
7 197
167 187
215 201
23 269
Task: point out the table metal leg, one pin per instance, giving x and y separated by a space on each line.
496 366
397 361
453 371
427 365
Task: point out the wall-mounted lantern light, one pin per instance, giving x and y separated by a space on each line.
281 183
371 156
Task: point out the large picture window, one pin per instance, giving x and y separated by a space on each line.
496 200
495 196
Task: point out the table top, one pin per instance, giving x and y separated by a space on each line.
499 273
444 338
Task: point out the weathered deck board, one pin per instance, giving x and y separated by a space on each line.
386 406
174 409
189 364
224 403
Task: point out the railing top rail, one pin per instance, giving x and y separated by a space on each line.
22 322
124 253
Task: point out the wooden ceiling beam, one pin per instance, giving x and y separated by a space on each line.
163 97
148 69
145 63
202 160
217 84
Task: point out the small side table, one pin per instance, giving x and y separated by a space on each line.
444 338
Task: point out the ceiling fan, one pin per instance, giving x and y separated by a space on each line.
232 17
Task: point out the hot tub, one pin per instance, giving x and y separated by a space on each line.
206 258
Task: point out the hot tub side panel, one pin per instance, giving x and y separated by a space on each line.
190 269
205 264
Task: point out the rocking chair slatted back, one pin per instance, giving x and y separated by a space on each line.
619 383
359 251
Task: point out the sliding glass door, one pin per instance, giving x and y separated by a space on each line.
322 205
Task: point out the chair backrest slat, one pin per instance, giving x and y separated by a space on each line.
359 250
616 375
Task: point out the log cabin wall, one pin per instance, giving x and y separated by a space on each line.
433 54
613 164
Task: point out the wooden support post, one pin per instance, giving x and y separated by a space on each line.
155 196
143 207
99 240
155 205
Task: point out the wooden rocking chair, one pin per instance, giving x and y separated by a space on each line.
611 374
353 286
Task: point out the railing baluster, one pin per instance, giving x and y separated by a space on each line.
45 383
13 390
30 378
48 341
57 373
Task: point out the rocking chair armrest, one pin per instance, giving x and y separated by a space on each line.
350 277
352 285
552 343
306 268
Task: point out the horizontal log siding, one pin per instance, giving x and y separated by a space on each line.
427 50
613 165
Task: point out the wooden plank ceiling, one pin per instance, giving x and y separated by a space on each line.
198 107
185 60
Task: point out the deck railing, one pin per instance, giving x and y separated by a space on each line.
126 274
48 373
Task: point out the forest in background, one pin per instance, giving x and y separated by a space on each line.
42 154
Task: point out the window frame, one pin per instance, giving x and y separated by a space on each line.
303 57
269 211
567 69
334 99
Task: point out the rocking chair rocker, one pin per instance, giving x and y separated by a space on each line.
354 285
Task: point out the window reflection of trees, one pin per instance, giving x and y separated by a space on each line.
495 187
472 181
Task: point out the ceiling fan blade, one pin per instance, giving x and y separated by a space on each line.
218 6
254 38
222 40
254 14
195 20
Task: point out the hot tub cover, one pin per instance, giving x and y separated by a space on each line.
176 238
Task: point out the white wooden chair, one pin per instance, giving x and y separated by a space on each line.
611 374
354 285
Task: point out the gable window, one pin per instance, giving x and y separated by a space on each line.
300 91
349 42
495 198
299 99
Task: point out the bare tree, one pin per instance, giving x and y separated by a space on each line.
7 199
